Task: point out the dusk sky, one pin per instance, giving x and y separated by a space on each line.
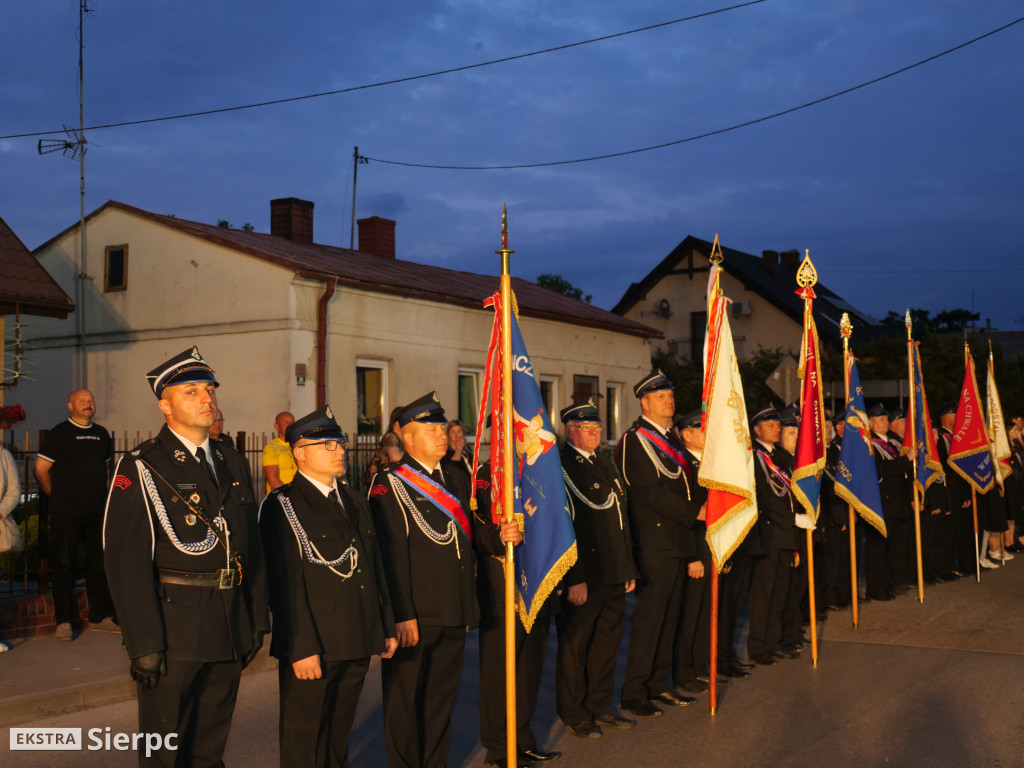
908 192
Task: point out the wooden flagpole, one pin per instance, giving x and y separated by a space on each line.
508 497
715 258
912 423
806 277
846 330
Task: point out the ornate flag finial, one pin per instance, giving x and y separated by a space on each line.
504 227
907 321
845 326
716 252
806 275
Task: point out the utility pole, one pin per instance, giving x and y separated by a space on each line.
356 160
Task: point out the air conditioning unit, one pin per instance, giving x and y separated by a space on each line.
741 309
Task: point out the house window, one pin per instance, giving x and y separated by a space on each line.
549 396
469 400
371 396
612 417
584 388
115 270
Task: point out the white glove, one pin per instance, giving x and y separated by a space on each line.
803 520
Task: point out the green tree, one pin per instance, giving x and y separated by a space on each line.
559 284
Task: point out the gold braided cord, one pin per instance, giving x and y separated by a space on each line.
547 586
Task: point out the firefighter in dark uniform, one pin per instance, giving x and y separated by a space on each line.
693 640
776 522
328 595
663 508
489 540
594 602
185 568
884 558
422 520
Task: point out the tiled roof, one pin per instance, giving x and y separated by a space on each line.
405 278
24 284
776 285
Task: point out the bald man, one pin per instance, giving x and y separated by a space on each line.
72 469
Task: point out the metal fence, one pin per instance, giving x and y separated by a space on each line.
27 572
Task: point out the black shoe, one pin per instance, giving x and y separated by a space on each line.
538 755
950 576
790 651
822 615
639 708
585 730
735 671
883 596
766 660
842 605
611 720
743 665
694 686
667 697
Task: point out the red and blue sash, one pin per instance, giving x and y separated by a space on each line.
667 448
884 445
440 497
770 465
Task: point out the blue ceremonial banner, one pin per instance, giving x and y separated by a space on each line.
856 473
919 441
549 540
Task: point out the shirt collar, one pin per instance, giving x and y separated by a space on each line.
429 470
662 430
326 490
192 447
585 454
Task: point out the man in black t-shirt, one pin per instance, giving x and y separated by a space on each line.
72 469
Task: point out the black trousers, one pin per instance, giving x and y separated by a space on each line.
692 651
420 685
876 573
900 551
66 531
588 647
316 716
732 591
827 557
529 649
194 700
659 599
769 585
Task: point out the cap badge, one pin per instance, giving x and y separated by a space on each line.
434 395
195 353
328 412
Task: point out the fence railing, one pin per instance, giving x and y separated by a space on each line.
27 572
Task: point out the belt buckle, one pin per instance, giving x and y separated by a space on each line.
227 578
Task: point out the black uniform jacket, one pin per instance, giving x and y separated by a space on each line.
195 623
776 508
427 581
660 507
604 547
315 610
892 478
490 565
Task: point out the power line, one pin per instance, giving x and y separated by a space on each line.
396 81
700 135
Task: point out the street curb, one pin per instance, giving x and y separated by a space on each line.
60 701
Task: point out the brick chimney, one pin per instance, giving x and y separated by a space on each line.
377 236
790 258
770 261
292 218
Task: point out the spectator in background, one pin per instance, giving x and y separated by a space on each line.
278 465
459 456
217 430
72 469
389 450
10 494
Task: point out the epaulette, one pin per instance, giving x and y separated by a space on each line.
143 448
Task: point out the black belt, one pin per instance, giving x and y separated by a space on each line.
225 578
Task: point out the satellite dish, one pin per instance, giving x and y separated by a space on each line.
663 308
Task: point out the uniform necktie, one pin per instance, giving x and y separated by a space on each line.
201 456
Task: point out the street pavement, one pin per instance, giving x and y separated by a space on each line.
938 683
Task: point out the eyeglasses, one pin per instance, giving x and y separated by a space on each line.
331 445
588 426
